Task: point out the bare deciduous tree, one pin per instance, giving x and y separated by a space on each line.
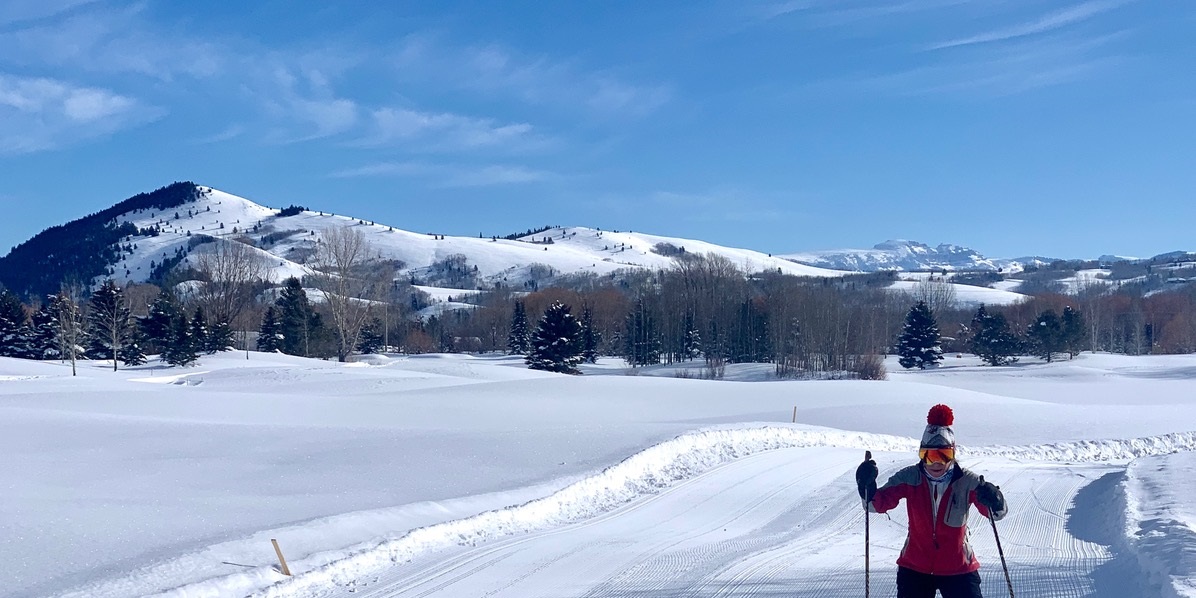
72 329
938 294
353 280
231 269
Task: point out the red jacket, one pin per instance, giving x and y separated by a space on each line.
936 545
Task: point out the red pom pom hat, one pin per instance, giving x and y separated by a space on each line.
938 432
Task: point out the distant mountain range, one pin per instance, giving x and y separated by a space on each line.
148 236
912 256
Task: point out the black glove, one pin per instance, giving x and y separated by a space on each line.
865 477
989 495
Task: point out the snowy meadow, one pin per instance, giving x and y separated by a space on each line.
458 475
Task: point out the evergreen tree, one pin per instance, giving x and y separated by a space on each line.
519 339
156 328
110 323
44 334
219 338
198 329
15 336
556 344
1045 335
1072 331
918 346
641 343
370 340
590 337
301 326
181 349
992 340
691 343
131 353
269 338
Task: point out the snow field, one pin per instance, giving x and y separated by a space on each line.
395 470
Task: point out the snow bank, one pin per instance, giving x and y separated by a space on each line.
644 473
1093 450
1161 520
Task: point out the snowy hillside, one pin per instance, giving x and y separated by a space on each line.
286 244
458 475
905 256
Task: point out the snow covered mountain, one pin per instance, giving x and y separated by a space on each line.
903 255
140 239
286 241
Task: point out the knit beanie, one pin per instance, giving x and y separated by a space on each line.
938 432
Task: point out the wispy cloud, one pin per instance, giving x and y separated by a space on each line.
228 134
18 11
452 175
38 114
535 80
772 10
305 99
725 204
444 131
1043 24
100 38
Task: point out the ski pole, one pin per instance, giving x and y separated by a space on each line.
1000 551
1008 581
867 541
867 574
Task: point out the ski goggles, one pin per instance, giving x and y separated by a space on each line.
936 455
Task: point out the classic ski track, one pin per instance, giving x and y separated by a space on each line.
408 580
650 564
1045 561
792 548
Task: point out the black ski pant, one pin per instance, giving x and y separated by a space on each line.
911 584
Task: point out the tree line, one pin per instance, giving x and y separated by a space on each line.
703 308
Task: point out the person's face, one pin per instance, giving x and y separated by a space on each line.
937 461
937 469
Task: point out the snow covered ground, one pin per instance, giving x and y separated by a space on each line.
455 475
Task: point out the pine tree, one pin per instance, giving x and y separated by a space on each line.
300 325
918 346
691 342
198 329
370 340
156 327
44 334
1045 335
14 334
992 340
219 338
590 337
1073 331
181 349
519 339
556 344
131 354
641 343
110 323
269 338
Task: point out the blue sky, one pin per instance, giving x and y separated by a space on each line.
1015 127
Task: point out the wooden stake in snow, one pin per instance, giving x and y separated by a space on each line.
281 561
795 414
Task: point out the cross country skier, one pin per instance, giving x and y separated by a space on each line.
938 493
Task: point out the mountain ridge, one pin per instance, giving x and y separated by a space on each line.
142 237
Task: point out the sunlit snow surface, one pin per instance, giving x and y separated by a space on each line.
468 476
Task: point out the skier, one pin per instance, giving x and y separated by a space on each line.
937 493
